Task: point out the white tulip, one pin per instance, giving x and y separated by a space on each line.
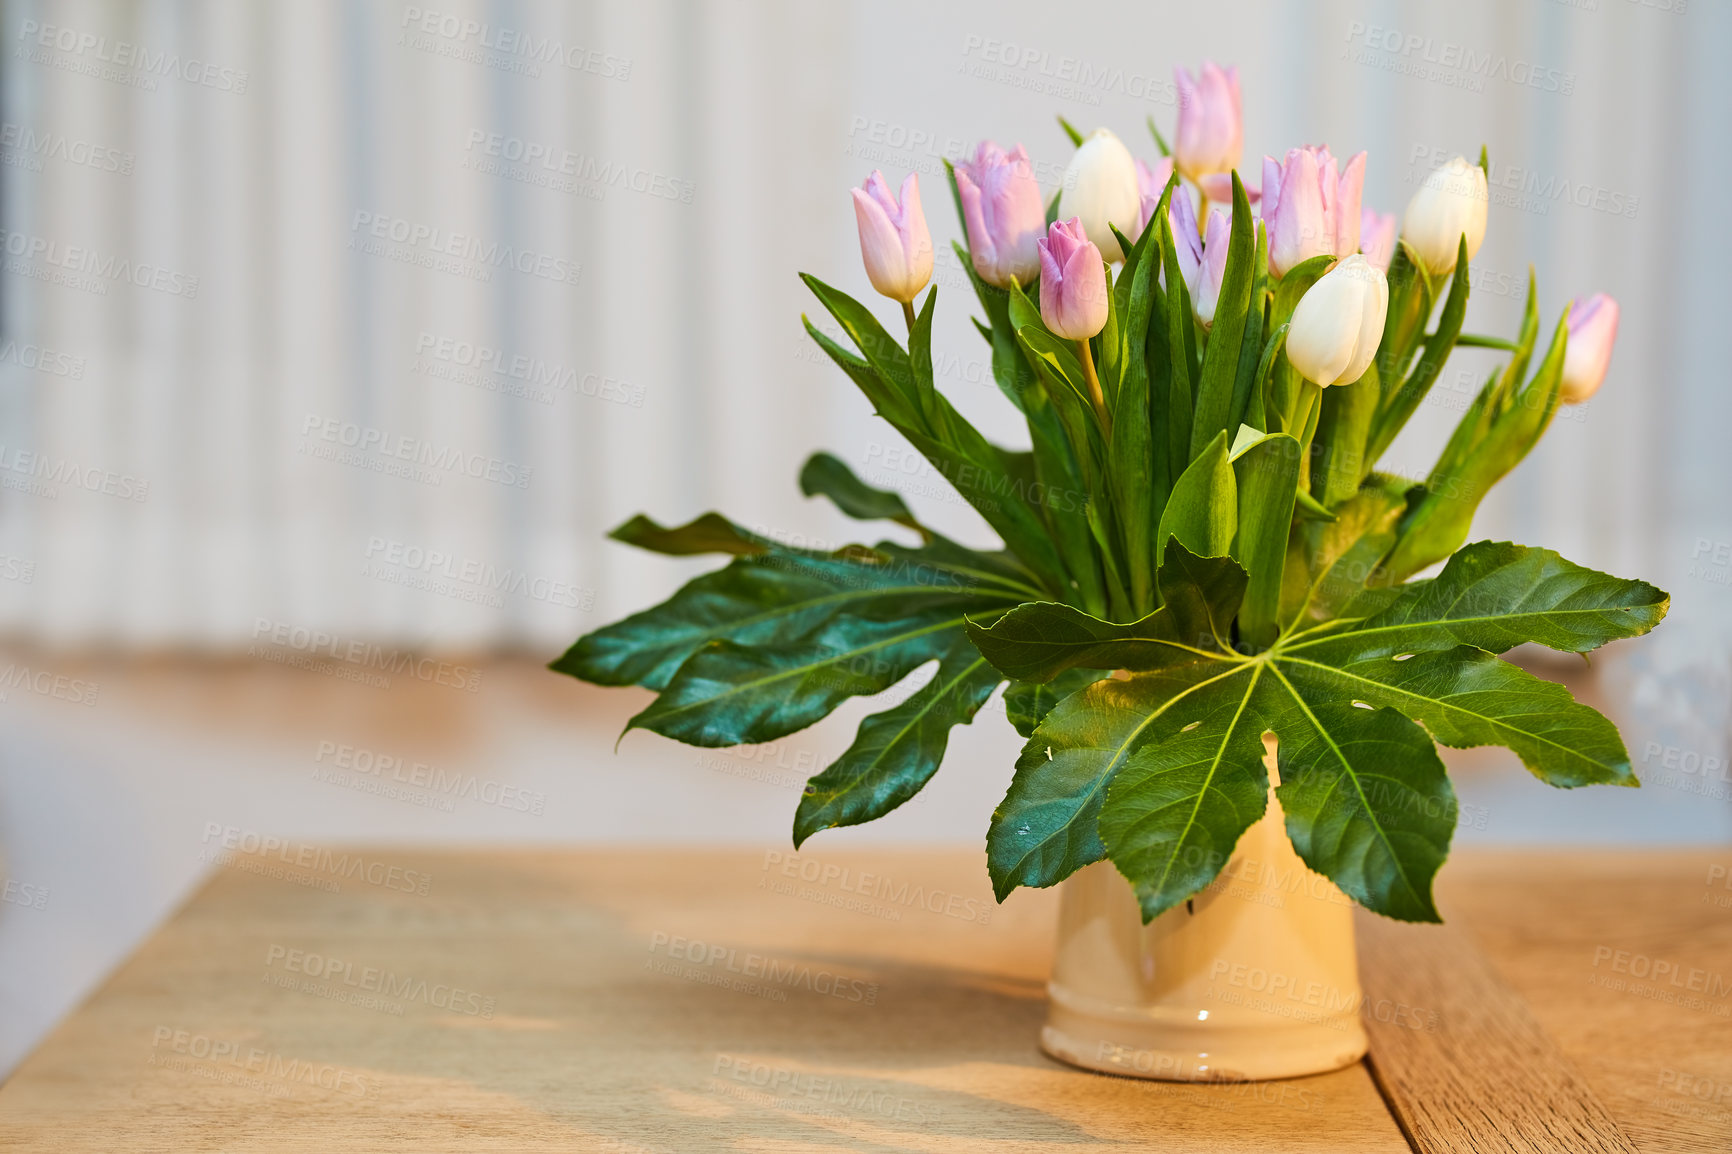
1100 187
1335 330
1449 205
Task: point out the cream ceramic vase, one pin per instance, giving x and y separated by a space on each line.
1254 978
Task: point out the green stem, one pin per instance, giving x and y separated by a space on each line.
1476 341
908 314
1096 397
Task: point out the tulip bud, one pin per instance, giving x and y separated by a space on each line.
1593 326
1338 323
1073 282
1211 135
1187 238
1205 281
1002 209
1100 188
894 243
1449 205
1377 237
1311 206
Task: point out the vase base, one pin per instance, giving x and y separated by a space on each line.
1171 1053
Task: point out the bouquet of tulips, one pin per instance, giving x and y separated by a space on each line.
1198 546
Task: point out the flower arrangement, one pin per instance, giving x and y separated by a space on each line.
1198 546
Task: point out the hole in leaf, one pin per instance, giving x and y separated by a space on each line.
1190 727
1363 705
1401 657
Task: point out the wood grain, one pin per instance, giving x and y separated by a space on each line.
1460 1057
1569 932
880 1003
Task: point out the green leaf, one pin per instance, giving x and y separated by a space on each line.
1059 358
1026 703
880 349
782 596
1203 510
897 751
932 406
1343 428
1076 138
1045 828
1440 522
1367 802
826 475
1250 371
1466 697
773 600
984 477
1160 142
1494 596
729 694
890 404
1266 473
1039 641
1215 390
1191 783
710 533
1182 358
1400 405
1330 563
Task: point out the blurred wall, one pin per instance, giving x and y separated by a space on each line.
370 319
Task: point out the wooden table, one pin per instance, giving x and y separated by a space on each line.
624 1001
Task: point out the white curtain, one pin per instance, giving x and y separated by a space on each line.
175 468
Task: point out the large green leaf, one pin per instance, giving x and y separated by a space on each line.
780 597
772 601
1466 697
1045 828
897 751
1367 801
1190 785
826 475
709 533
729 694
1039 641
1494 595
1026 703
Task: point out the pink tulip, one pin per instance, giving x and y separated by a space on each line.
1377 237
1073 282
894 243
1187 239
1205 281
1218 187
1151 183
1311 206
1211 132
1593 327
1005 217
